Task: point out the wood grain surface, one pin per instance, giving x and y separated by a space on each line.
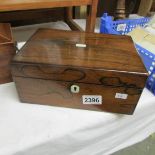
50 63
56 93
7 51
58 47
14 5
18 5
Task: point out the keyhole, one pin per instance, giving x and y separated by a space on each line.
75 89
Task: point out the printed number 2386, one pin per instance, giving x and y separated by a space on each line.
92 99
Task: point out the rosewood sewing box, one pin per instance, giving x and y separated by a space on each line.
7 51
80 70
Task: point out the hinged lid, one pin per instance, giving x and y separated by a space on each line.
80 49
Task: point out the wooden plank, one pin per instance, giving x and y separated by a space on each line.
9 5
25 17
91 16
74 26
69 20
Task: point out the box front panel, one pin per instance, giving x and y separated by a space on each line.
79 74
119 99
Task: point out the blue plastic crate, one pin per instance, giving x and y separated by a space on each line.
149 62
151 82
122 27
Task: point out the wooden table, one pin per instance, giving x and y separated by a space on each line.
15 5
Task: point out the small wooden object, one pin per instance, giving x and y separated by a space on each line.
120 12
80 70
7 51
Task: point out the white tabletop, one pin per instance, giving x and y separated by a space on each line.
30 129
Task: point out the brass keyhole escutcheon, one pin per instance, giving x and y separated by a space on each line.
75 89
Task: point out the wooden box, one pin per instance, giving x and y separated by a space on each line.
80 70
7 51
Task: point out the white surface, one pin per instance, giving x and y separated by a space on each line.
27 129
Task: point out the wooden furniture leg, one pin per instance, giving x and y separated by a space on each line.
69 20
120 12
91 16
145 7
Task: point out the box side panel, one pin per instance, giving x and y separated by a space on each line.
7 52
5 33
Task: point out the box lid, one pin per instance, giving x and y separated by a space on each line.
5 33
80 49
